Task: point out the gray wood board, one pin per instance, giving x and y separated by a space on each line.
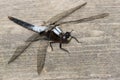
97 58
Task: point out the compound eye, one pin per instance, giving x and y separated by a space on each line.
67 35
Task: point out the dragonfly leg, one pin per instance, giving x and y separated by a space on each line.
76 39
51 45
63 48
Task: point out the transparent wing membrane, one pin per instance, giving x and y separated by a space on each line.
91 18
41 57
34 37
22 48
64 14
19 51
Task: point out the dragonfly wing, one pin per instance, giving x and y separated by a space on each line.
86 19
34 37
22 48
64 14
19 51
41 57
27 25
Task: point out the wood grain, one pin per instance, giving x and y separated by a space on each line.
97 58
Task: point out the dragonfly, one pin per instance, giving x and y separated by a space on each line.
51 32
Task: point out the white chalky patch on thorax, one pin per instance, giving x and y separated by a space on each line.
39 28
57 30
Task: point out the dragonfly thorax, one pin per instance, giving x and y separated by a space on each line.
57 30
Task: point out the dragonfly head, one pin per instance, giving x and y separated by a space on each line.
68 34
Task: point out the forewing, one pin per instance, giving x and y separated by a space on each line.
85 19
41 56
22 48
64 14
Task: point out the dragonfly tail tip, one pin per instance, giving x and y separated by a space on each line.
10 17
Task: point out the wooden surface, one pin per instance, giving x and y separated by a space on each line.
97 58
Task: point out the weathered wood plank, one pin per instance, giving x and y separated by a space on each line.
96 58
